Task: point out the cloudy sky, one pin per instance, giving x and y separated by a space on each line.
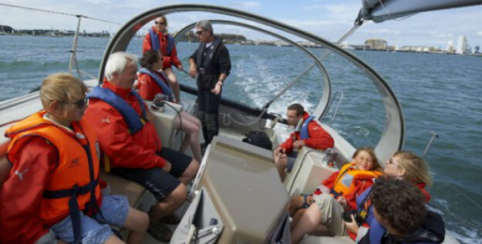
327 18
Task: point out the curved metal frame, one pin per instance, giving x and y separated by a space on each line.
326 78
393 136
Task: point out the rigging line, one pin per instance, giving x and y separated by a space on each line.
440 207
56 12
404 17
468 198
390 14
101 20
77 65
308 69
383 6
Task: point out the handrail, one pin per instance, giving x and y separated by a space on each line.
317 61
393 136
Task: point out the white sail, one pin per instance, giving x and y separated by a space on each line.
381 10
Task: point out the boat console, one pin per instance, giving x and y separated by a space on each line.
165 123
251 210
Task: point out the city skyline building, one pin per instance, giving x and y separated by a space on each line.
461 45
450 47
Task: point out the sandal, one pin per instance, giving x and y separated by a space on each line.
171 219
160 231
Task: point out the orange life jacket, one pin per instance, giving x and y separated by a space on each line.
73 185
348 176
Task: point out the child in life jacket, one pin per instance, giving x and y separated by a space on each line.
344 185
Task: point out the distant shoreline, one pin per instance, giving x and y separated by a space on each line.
92 35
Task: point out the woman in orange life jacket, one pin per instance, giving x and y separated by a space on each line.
159 40
152 82
337 193
50 152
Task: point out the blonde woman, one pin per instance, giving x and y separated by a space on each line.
53 188
159 40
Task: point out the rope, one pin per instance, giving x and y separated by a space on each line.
383 6
231 118
445 210
56 12
396 19
467 197
77 65
457 218
229 115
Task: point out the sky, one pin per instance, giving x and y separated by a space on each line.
329 19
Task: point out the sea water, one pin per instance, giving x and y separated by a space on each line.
438 93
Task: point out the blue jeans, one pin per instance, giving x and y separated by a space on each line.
95 229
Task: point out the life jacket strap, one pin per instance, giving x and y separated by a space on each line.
74 210
78 190
75 214
336 194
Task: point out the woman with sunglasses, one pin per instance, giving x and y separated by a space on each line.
402 165
159 40
53 189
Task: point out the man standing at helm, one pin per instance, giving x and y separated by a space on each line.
211 64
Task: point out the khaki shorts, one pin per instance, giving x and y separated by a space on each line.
331 214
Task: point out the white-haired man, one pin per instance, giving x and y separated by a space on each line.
129 139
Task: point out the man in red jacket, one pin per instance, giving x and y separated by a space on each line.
129 139
310 134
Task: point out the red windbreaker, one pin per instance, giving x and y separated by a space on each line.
148 87
21 198
318 139
124 149
361 186
168 60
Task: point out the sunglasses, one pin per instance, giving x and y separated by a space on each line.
198 33
160 23
80 104
390 161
